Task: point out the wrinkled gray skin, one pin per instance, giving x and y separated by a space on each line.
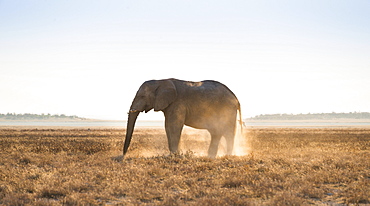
206 105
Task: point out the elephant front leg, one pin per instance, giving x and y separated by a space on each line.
174 125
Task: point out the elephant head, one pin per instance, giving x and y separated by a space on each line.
157 94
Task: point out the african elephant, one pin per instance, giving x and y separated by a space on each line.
206 105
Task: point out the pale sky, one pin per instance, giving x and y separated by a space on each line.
88 58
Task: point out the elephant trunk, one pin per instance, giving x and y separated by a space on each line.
132 116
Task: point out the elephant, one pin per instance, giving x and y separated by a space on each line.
206 105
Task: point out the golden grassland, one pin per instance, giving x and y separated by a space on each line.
284 167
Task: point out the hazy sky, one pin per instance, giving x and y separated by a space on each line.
88 58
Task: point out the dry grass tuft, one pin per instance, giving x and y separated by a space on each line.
83 167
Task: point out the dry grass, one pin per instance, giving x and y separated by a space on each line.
285 167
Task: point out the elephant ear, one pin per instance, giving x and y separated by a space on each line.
165 94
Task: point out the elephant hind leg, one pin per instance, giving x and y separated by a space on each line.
213 147
230 138
230 144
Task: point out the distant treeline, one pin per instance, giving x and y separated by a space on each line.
28 116
315 116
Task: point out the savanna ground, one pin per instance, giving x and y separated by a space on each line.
283 167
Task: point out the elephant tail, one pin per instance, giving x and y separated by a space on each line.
240 118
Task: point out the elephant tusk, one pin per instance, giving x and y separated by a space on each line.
132 111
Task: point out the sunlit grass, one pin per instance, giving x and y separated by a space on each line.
284 167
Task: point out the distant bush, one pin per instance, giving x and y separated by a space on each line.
28 116
316 116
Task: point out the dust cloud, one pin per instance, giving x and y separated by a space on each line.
197 142
241 141
153 142
241 144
